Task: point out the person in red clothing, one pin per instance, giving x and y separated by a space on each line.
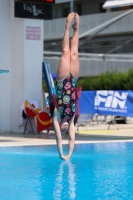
78 94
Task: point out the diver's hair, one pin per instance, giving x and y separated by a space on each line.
52 104
52 107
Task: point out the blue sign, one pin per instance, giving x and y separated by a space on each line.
107 102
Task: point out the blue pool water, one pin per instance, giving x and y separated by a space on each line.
101 171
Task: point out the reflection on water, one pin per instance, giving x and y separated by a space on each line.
110 147
95 172
111 170
66 172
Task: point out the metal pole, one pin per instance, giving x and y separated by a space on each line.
71 6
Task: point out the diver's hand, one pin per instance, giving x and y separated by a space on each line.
65 157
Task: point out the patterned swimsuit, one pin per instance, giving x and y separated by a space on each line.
66 99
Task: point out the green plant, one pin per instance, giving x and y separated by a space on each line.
108 81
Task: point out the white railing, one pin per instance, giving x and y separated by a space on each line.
95 56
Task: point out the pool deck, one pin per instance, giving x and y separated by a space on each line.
94 134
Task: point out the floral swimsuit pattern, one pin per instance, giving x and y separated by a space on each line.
66 98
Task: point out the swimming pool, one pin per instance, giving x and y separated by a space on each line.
95 171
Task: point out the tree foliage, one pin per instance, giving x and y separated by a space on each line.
108 81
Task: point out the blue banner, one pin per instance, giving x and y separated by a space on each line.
107 102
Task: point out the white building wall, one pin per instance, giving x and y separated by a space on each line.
23 58
4 64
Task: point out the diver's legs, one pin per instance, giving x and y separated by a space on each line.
74 60
64 65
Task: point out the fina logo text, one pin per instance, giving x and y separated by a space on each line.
111 101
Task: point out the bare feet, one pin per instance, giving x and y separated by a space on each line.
77 21
69 19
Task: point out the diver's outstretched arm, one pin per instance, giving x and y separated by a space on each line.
71 141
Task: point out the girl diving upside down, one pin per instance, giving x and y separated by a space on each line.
67 75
